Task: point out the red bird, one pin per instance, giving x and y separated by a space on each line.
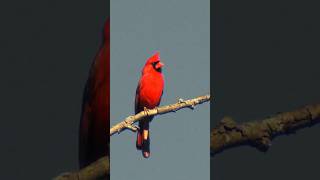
148 95
95 117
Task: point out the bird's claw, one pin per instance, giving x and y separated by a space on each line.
146 110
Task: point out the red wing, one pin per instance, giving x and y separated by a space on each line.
93 140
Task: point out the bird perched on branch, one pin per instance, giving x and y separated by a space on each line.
148 95
94 139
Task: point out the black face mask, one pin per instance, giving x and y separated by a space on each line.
154 66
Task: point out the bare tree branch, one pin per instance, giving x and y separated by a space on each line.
227 134
128 122
259 134
97 170
100 169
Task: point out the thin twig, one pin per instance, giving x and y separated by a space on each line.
129 121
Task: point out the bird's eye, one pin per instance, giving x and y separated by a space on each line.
154 64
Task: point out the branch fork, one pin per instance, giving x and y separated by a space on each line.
129 126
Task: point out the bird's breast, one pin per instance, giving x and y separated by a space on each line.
151 88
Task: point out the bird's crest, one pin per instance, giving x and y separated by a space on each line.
154 58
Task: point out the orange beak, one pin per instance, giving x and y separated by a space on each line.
159 65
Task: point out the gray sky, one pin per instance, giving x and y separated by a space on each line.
179 141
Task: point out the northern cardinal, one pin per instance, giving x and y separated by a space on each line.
95 117
148 95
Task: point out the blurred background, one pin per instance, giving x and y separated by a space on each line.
265 60
46 50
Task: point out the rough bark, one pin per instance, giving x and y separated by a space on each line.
259 134
97 170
